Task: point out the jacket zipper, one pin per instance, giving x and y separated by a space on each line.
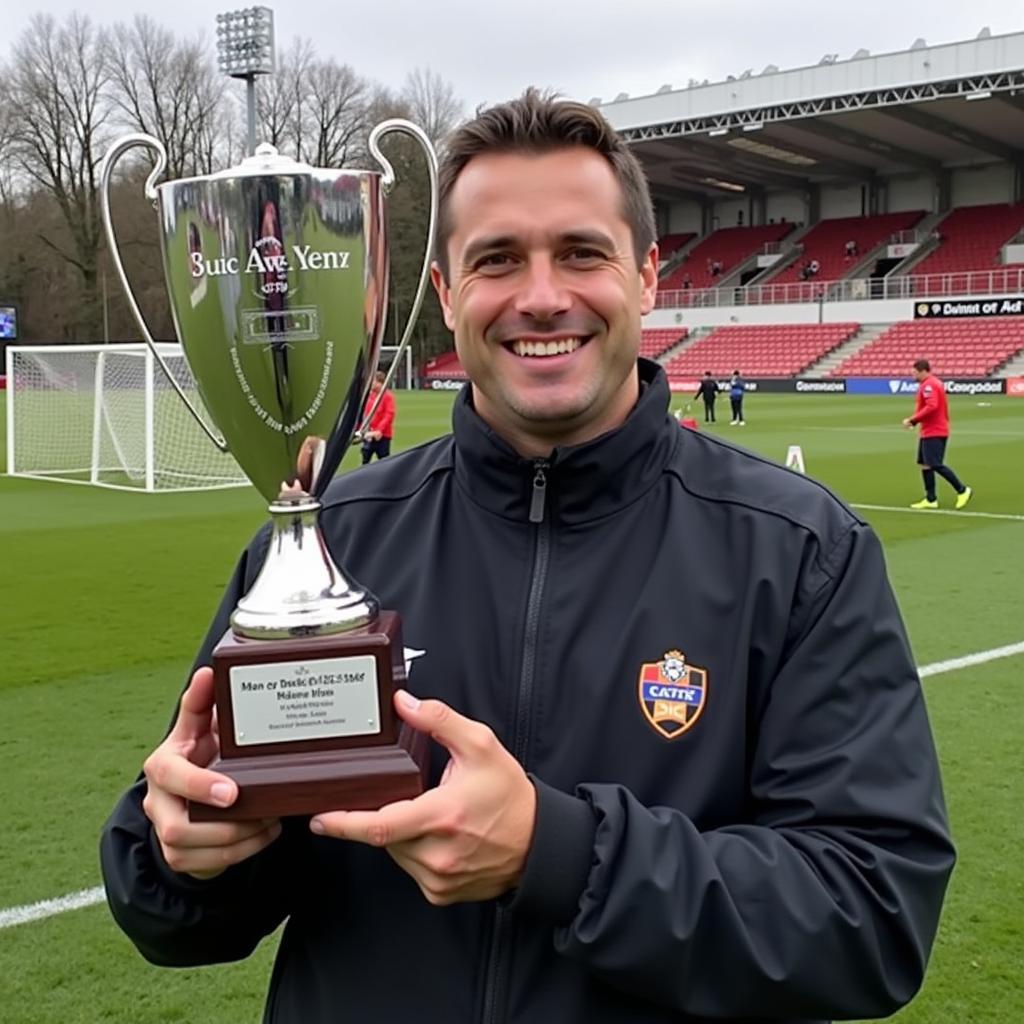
521 728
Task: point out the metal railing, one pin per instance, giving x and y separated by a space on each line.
1005 281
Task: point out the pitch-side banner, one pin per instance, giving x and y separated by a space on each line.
947 310
893 386
772 385
900 386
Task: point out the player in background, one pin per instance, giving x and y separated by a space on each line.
737 389
708 390
932 416
380 430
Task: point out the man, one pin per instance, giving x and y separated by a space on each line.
737 389
931 414
641 810
708 390
381 429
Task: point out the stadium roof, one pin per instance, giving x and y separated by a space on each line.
917 111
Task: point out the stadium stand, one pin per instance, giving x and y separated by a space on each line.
972 238
773 350
672 243
826 243
959 348
655 341
727 246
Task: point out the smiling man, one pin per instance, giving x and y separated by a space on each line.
543 282
656 793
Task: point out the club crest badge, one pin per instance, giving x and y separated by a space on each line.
672 694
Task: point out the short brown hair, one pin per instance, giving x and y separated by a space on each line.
537 123
923 365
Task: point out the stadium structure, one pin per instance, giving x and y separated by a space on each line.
823 227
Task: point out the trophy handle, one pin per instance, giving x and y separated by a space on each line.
397 124
121 146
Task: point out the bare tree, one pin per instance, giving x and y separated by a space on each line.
58 84
280 106
312 109
167 88
408 214
337 105
223 141
432 103
7 120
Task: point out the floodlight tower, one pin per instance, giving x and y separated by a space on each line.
245 49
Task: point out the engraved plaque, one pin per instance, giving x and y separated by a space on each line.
304 700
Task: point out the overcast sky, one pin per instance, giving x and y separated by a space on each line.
492 49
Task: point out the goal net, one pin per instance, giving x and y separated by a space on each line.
106 415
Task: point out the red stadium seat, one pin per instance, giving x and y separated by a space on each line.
964 348
775 350
826 243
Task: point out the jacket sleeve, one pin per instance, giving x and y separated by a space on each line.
175 919
824 901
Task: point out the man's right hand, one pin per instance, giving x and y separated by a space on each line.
175 774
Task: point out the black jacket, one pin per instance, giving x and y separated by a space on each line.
784 856
707 389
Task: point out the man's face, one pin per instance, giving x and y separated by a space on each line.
544 295
919 375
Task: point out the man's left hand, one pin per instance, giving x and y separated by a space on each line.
908 423
466 839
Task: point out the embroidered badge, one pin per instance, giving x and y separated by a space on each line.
672 694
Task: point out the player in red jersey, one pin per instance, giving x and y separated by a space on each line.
932 415
380 430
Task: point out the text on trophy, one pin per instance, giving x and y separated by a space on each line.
258 262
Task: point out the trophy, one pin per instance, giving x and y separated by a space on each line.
277 274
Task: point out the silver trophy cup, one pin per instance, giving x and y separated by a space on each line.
277 274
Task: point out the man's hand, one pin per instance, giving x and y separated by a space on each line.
908 423
468 838
174 774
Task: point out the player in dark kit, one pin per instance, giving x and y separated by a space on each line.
708 390
932 415
737 389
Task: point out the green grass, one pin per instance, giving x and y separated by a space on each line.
108 593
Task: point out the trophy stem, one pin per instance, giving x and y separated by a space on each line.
300 591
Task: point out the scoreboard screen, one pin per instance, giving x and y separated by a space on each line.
8 323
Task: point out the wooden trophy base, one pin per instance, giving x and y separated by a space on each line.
301 776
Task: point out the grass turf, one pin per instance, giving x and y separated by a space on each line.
94 657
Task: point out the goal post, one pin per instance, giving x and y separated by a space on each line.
106 415
403 379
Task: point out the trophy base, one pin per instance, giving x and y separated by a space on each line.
279 785
330 700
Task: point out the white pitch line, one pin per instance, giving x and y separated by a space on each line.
941 512
90 897
49 908
968 660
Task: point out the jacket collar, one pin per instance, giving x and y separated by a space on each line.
584 481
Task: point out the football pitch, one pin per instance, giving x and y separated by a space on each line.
107 595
